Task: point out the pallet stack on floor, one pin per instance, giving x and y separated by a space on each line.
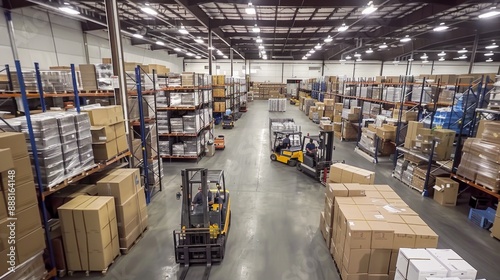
350 123
365 225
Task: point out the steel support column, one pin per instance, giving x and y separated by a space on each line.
232 61
210 50
86 48
474 51
12 35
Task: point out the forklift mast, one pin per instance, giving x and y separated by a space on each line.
188 195
326 145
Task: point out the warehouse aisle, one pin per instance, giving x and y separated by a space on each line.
274 233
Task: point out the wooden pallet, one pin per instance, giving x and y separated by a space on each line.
87 272
495 190
125 251
96 91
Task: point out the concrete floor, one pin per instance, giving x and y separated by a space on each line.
274 232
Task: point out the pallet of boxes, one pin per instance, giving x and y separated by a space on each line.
364 225
18 200
316 112
350 123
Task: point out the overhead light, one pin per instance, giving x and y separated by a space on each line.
261 47
405 39
328 39
343 27
225 56
369 50
492 46
250 9
492 12
256 28
177 50
369 9
263 51
312 51
489 60
149 11
137 35
318 47
440 27
69 10
441 59
259 40
304 57
462 51
219 52
410 59
462 56
342 60
308 54
442 53
359 59
383 46
424 57
198 57
189 54
489 54
199 40
211 48
357 55
348 57
160 43
183 30
425 61
264 57
395 61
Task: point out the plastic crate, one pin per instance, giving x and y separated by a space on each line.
482 218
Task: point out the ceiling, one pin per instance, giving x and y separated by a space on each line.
291 28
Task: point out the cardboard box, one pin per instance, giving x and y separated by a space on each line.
446 191
382 235
357 276
421 269
102 134
121 144
28 220
101 116
379 277
406 255
386 133
105 151
379 261
404 237
29 245
7 163
119 129
15 142
414 220
356 260
122 184
126 213
411 133
495 230
334 190
359 235
459 268
425 237
25 196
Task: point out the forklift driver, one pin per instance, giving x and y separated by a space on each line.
311 148
198 198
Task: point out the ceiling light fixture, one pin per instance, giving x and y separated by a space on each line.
410 59
342 60
492 46
138 36
359 59
308 54
69 10
462 51
312 51
183 30
160 43
489 54
256 29
441 59
440 27
492 12
258 40
225 56
462 56
369 50
198 57
369 8
383 46
199 40
424 57
348 57
425 61
149 11
342 28
189 54
442 53
261 47
177 50
395 61
304 57
264 57
357 55
405 39
318 47
489 60
328 39
250 9
263 52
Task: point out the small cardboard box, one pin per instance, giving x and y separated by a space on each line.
446 191
404 237
421 269
406 255
425 237
105 151
14 141
102 134
382 235
359 235
356 260
120 184
380 260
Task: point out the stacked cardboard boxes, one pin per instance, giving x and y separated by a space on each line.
329 108
337 117
343 173
17 185
405 116
89 76
129 198
108 131
420 139
366 225
434 264
90 233
387 132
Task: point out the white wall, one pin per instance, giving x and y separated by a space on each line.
280 71
54 40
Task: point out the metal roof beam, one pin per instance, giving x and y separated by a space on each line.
309 3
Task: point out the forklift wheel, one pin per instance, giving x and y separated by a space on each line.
292 162
273 157
299 167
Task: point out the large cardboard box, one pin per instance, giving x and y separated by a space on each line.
425 237
382 235
406 255
333 190
105 151
411 133
101 116
421 269
15 142
121 184
30 244
126 213
25 196
28 220
387 132
379 261
359 235
356 260
446 191
122 144
404 237
102 134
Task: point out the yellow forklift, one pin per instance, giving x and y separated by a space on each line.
205 219
288 155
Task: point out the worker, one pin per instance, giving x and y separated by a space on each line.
311 148
286 142
198 198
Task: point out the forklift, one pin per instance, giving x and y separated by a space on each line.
228 121
204 227
290 156
220 142
318 165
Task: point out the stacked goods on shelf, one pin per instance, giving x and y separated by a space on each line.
17 184
108 131
308 103
34 268
52 81
174 80
104 74
151 139
350 120
90 232
426 94
393 94
148 105
386 134
337 117
415 177
277 105
84 139
329 108
494 102
130 202
406 116
89 76
450 117
480 161
365 226
326 124
269 90
432 264
422 142
316 112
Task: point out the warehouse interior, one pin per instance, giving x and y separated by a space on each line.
147 125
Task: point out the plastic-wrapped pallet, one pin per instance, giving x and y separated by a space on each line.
417 94
178 149
176 125
190 99
191 123
175 99
191 147
277 105
155 172
162 122
164 147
